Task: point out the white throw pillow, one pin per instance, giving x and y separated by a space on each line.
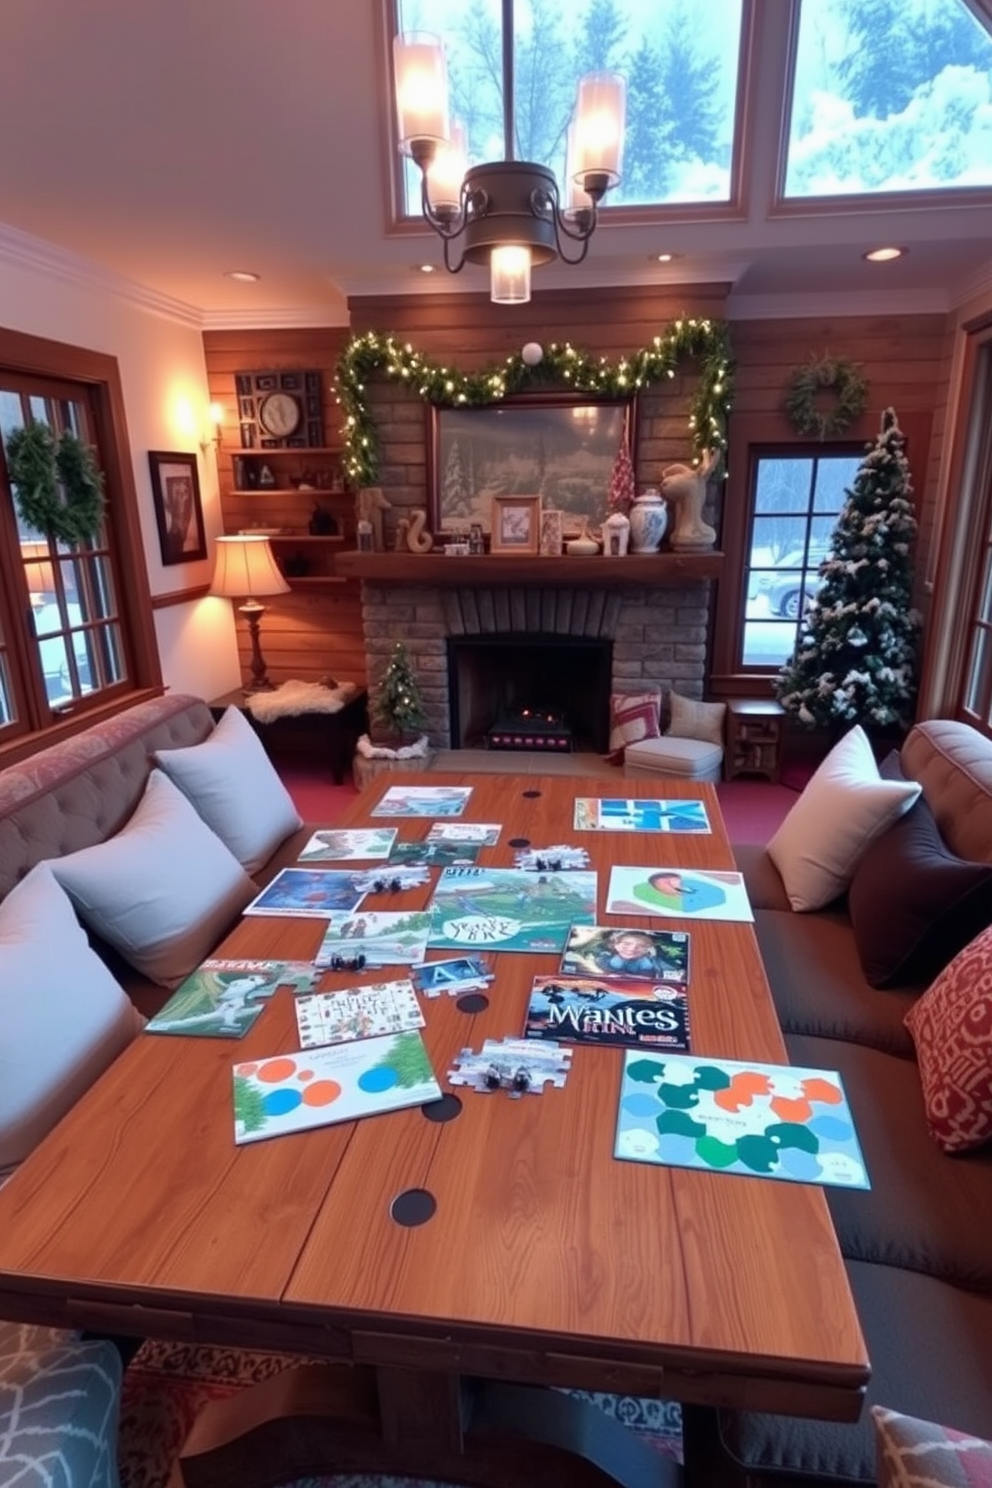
63 1017
163 890
845 806
232 784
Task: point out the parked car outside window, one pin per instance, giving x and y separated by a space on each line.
787 589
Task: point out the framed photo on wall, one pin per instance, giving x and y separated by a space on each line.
561 445
515 524
178 510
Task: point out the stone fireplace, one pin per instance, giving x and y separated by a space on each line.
620 636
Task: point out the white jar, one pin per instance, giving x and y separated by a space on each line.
648 521
616 535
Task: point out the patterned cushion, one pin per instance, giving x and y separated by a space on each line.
918 1454
951 1027
694 720
633 716
59 1400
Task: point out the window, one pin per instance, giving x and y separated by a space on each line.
682 81
75 620
976 688
795 502
889 96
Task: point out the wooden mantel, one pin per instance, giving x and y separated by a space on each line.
435 568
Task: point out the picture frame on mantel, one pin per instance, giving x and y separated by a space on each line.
182 536
515 524
559 444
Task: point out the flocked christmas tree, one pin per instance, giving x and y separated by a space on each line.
855 657
397 704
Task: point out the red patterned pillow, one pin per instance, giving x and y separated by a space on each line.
912 1452
951 1027
633 716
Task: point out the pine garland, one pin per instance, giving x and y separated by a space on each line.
561 366
58 487
831 374
855 658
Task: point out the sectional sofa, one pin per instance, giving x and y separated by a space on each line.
918 1246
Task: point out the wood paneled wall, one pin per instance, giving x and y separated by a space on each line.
317 629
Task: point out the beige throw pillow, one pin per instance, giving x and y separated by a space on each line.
694 720
163 890
845 806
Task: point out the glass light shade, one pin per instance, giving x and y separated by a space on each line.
245 567
577 200
420 74
446 172
509 275
600 114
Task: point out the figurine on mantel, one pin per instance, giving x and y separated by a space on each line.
686 488
371 505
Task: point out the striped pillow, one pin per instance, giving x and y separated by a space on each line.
633 716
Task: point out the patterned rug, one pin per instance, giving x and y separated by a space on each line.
166 1386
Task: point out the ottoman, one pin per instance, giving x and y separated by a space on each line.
674 759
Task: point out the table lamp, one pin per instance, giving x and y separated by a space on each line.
245 567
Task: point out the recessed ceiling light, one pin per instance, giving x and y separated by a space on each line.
243 276
426 268
665 257
883 255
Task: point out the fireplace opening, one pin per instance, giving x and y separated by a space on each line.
547 693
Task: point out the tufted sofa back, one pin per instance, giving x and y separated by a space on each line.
953 763
83 790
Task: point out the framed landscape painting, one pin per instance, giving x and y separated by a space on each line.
562 447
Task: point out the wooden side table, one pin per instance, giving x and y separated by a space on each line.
755 735
331 737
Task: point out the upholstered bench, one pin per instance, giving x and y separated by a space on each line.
59 1400
674 759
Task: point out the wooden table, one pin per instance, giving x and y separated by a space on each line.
547 1261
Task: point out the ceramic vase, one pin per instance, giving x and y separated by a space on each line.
648 521
616 535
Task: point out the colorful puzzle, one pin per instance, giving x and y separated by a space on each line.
766 1120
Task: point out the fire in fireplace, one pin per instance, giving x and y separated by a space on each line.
544 692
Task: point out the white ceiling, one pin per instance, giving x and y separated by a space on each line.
166 141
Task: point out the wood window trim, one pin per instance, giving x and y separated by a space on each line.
41 357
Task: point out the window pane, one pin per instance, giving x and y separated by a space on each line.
889 95
681 86
978 668
834 477
768 644
783 484
985 601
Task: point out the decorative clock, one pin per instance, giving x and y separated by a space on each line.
280 409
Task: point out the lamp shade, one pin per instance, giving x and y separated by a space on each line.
245 567
597 147
421 76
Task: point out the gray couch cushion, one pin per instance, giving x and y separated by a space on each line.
925 1211
930 1346
818 986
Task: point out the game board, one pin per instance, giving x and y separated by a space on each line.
613 814
339 844
383 937
223 998
627 951
435 854
679 893
307 893
293 1092
423 800
509 909
357 1013
769 1120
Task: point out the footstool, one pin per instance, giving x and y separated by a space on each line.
674 759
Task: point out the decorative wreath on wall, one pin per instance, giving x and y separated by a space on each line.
559 365
826 374
58 486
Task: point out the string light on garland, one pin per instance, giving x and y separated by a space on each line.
705 341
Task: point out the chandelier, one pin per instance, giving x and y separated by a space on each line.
506 213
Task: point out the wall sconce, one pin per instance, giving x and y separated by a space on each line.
217 426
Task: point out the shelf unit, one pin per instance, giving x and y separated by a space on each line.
755 735
322 461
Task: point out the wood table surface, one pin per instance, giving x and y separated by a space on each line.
546 1261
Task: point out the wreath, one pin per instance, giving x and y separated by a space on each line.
833 375
58 486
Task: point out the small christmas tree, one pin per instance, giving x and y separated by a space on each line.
622 485
397 704
855 657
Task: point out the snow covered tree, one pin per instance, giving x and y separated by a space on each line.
855 657
397 704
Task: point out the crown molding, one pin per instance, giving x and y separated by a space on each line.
861 302
21 250
299 318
